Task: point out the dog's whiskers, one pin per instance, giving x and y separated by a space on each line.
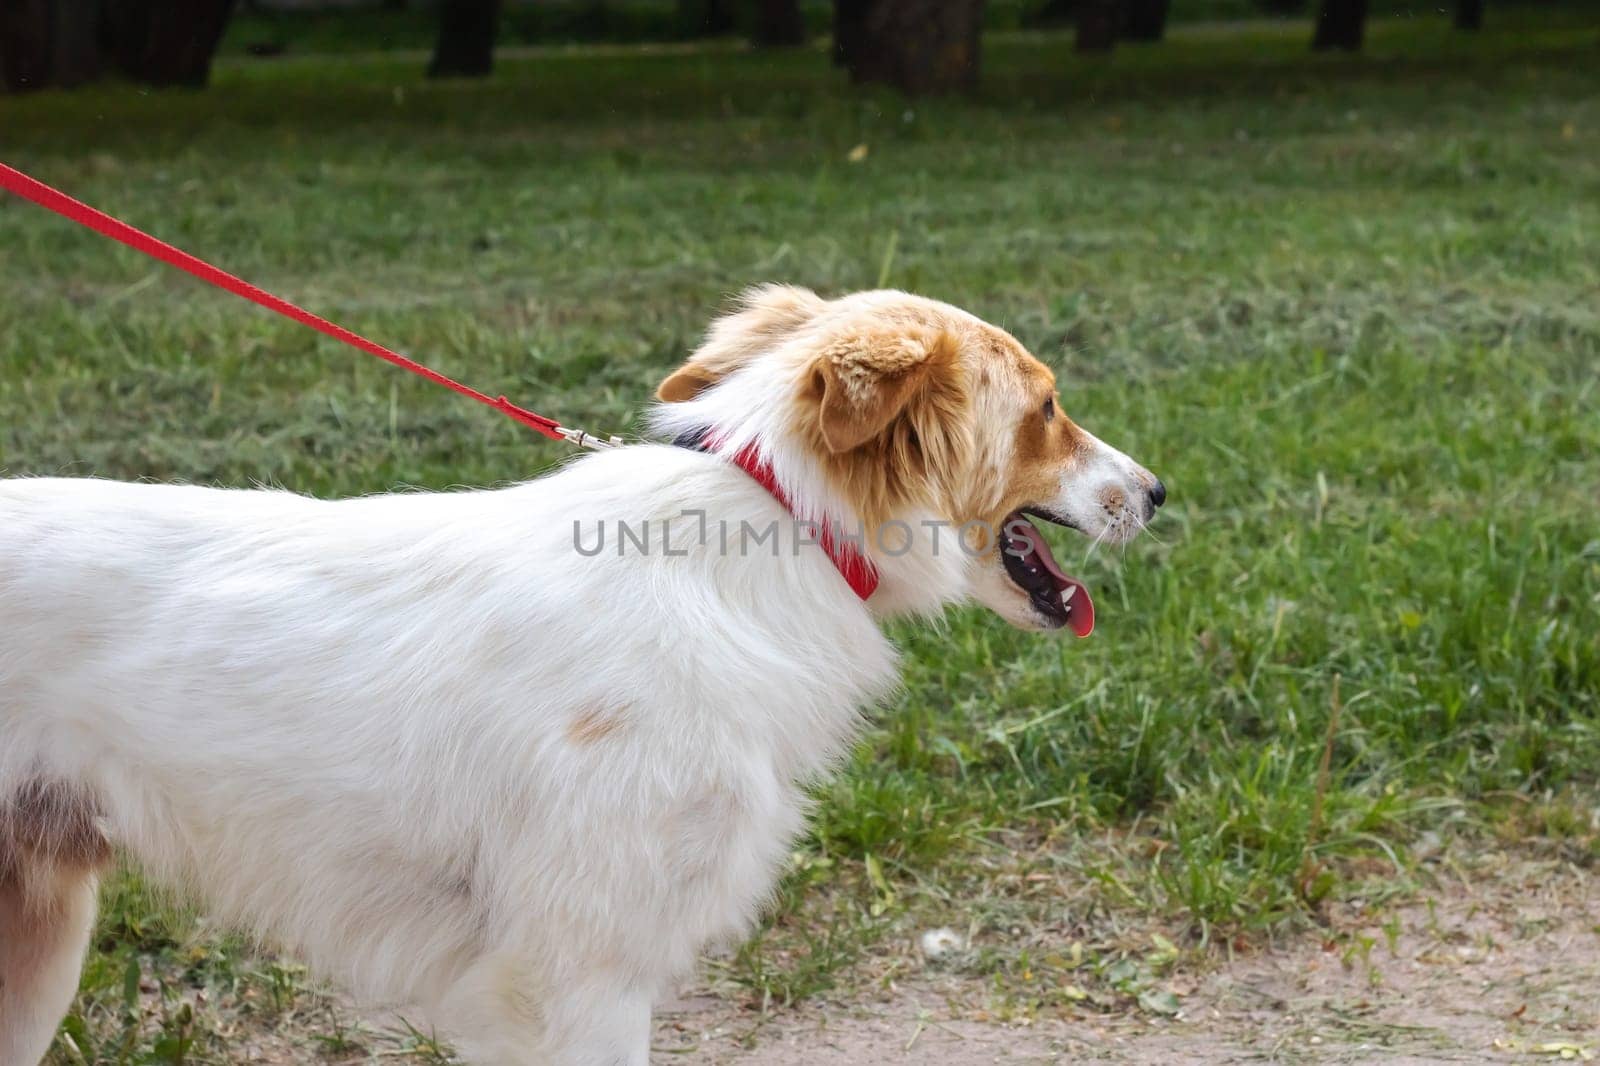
1089 551
1144 527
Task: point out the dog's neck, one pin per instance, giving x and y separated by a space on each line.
920 564
846 550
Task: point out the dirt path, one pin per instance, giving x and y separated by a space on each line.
1502 970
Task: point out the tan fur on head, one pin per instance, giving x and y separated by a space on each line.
909 409
886 411
765 314
906 402
917 404
864 380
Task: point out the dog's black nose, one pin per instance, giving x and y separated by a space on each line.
1158 493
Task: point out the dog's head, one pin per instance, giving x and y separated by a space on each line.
932 429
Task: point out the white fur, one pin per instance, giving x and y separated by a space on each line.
345 725
427 746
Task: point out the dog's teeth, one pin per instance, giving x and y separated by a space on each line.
1067 596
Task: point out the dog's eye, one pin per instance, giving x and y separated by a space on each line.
1049 409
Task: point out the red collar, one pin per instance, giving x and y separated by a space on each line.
846 554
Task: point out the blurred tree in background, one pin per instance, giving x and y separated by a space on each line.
465 47
921 46
779 24
47 43
1146 20
1340 24
1098 22
707 18
917 46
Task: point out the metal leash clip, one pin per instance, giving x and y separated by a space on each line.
589 440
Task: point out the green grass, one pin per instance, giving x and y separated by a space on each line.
1346 307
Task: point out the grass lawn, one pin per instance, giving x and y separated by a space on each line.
1347 308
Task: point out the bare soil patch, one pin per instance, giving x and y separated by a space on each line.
1496 961
1503 967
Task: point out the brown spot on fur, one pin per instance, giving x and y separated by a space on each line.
595 724
52 823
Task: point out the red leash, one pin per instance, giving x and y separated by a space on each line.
54 200
853 566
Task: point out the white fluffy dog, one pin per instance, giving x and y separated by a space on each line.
511 758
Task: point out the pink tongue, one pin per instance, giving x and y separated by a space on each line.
1074 594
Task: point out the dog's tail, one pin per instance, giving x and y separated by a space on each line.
52 850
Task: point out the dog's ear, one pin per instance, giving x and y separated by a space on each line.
687 382
764 316
861 382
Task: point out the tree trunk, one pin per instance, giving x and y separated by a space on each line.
1098 22
779 24
165 42
721 18
45 43
1469 14
1146 20
849 27
465 46
918 46
68 42
1340 24
706 18
1053 13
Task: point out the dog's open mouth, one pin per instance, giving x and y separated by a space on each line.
1062 600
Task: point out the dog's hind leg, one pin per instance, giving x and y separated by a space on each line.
50 852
